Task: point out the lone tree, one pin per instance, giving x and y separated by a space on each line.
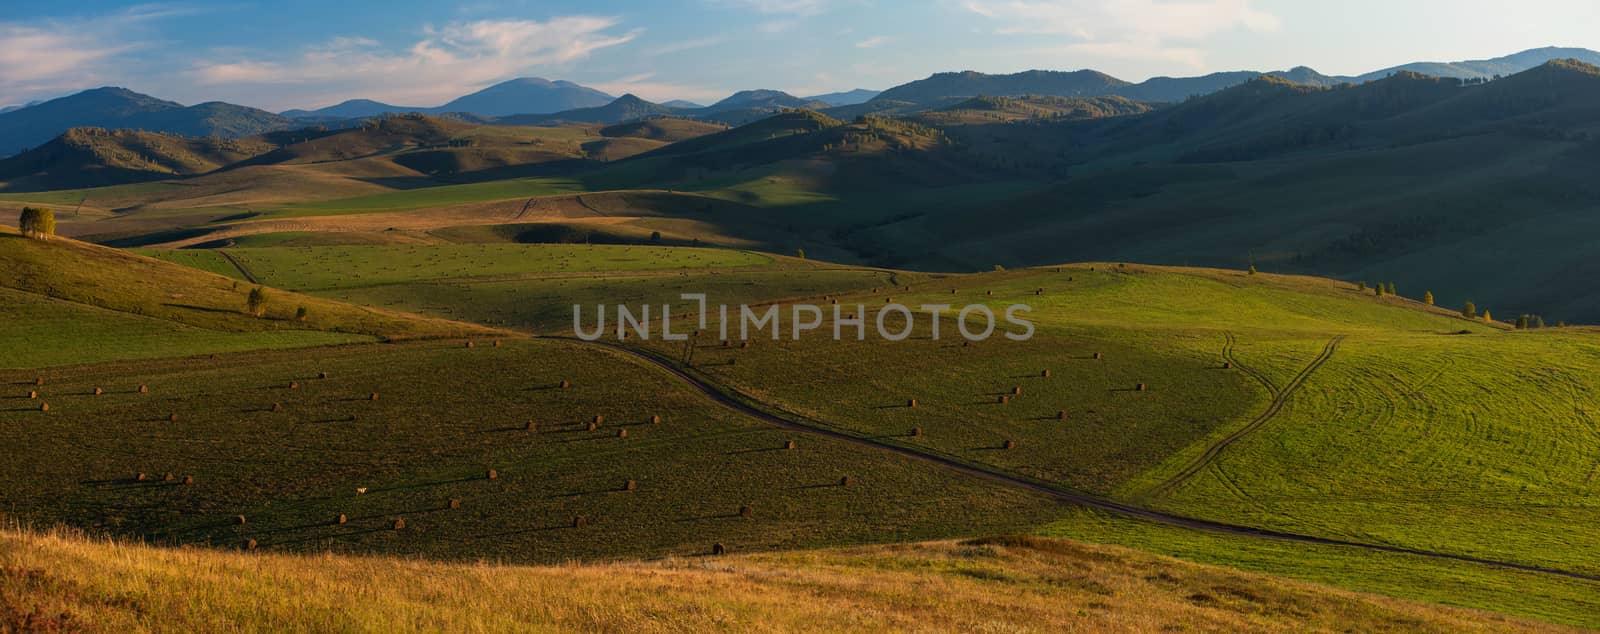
1486 316
38 223
1391 290
1427 298
257 301
1469 310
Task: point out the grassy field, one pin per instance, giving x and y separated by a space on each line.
265 438
1002 584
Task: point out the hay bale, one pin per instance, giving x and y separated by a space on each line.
322 375
250 544
238 520
1098 356
912 403
144 389
622 433
374 397
532 425
844 481
599 420
1004 399
952 291
719 549
469 344
744 345
1045 374
141 477
172 418
1016 391
788 444
39 381
167 478
455 503
591 427
491 474
293 385
1227 365
33 395
1061 415
655 419
44 407
277 407
99 391
188 479
1140 387
579 521
497 343
341 519
399 523
746 511
565 384
726 343
630 485
1010 444
916 432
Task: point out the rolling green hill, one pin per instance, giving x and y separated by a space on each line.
88 157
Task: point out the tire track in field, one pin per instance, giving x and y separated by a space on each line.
824 429
1279 400
238 265
1227 355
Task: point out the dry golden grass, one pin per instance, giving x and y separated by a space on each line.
57 579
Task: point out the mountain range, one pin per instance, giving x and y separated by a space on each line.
536 101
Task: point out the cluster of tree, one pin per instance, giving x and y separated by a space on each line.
38 223
1530 321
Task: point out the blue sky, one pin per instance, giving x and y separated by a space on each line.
298 53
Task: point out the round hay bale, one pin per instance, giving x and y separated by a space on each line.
1045 374
630 485
1010 444
455 503
144 389
532 425
591 426
1140 387
1016 391
277 407
952 291
374 397
1098 356
1061 415
33 395
322 375
655 419
188 479
726 343
491 474
1227 365
565 384
399 523
844 481
39 381
744 345
988 292
294 385
497 343
141 477
250 544
966 344
579 521
238 520
788 444
44 407
341 519
99 391
746 511
469 344
912 403
622 433
916 432
1004 399
172 418
167 478
719 549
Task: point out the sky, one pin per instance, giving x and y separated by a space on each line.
308 54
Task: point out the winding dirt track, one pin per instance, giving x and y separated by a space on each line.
1280 397
1066 495
238 265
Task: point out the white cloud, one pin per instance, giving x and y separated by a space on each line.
872 42
43 59
686 45
1127 29
791 7
447 62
